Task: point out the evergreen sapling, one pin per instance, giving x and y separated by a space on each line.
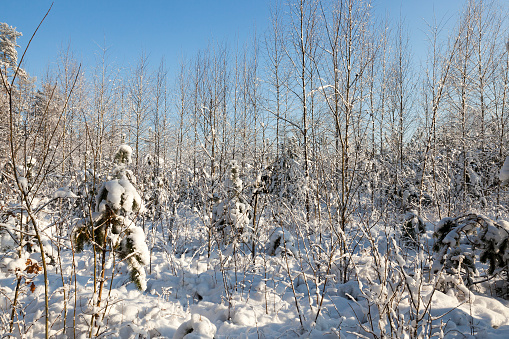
232 216
118 200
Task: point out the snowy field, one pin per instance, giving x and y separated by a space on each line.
228 295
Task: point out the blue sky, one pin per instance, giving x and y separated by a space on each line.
171 28
160 28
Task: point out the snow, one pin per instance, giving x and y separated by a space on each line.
115 191
14 264
198 327
127 152
130 195
186 292
137 236
504 172
170 308
64 192
120 193
23 182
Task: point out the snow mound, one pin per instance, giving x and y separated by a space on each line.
198 327
23 182
64 192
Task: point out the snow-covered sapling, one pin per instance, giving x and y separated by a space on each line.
287 180
112 229
460 240
281 243
413 227
231 217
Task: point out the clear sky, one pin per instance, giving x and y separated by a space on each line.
171 28
167 28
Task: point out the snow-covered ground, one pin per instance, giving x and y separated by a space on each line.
230 295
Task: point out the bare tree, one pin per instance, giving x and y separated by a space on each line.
277 74
350 46
139 105
301 53
440 61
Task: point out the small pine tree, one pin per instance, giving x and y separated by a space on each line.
286 180
116 201
232 216
413 227
460 240
8 49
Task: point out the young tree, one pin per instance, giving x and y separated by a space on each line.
277 74
28 180
231 216
302 55
400 96
9 67
8 50
351 42
113 230
139 106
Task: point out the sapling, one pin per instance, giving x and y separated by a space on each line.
28 190
111 229
231 217
463 240
412 228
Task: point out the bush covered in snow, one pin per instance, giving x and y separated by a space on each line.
112 229
231 217
465 240
412 228
281 242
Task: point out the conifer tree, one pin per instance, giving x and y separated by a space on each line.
462 239
113 230
8 45
232 216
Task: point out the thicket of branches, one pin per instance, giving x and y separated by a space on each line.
332 127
